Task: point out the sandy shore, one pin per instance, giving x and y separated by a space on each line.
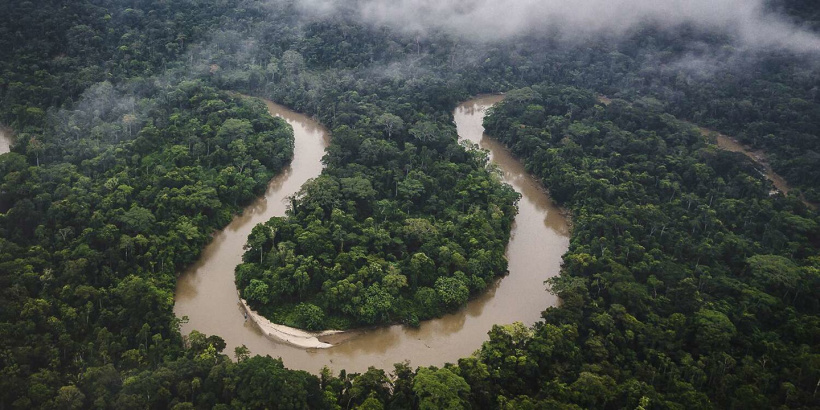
287 334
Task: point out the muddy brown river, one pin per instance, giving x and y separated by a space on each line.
207 295
730 144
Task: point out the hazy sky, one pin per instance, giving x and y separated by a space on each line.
747 20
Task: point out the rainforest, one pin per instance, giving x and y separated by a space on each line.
409 204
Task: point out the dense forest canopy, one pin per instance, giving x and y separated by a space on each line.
686 284
676 245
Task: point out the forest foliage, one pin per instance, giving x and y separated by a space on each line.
404 224
686 281
685 286
95 226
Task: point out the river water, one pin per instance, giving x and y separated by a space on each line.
730 144
207 295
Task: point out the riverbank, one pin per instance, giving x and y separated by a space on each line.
728 143
514 174
290 335
207 294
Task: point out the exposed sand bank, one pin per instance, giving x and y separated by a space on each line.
295 337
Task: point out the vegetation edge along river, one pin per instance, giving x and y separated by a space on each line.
728 143
727 317
539 239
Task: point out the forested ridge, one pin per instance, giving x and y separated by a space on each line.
686 285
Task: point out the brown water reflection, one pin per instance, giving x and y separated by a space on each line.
207 295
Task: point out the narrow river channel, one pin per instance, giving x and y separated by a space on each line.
730 144
207 295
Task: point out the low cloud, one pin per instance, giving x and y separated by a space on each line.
748 21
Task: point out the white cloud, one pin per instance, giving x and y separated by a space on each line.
747 20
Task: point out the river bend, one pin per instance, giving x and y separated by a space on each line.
207 295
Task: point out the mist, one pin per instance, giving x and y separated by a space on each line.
748 22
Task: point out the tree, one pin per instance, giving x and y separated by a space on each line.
422 269
377 306
370 385
391 123
35 146
233 129
394 282
714 330
424 131
263 382
292 62
440 389
309 316
774 272
452 292
592 390
257 291
138 220
69 398
241 353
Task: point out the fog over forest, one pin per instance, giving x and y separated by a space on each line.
749 21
